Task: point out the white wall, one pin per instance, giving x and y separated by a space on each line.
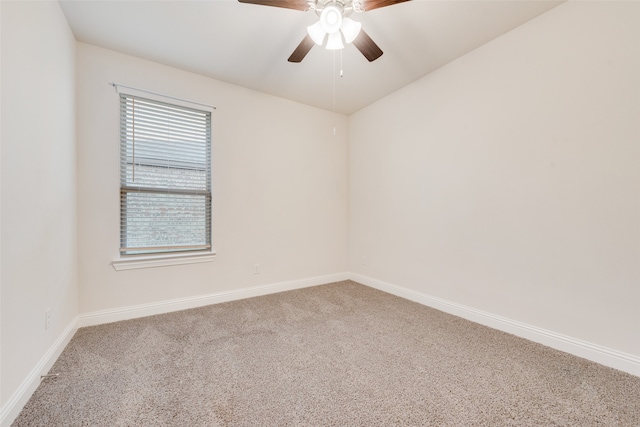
279 184
508 180
39 268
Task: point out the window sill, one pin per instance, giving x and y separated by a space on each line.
161 260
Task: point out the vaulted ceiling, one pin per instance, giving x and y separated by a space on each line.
248 45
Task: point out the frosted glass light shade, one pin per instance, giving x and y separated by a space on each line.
331 19
316 33
350 29
335 41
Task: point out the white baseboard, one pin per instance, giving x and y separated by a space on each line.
605 356
16 402
142 310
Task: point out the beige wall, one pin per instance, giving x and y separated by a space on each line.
279 184
508 180
38 224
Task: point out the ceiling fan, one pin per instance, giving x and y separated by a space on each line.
334 26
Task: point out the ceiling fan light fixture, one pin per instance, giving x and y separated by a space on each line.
350 29
331 19
333 24
335 41
316 33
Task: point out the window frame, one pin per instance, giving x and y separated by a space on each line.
166 256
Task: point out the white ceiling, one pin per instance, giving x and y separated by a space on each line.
248 45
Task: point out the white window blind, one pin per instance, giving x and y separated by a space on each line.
165 177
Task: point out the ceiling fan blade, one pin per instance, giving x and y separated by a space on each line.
376 4
288 4
367 47
303 48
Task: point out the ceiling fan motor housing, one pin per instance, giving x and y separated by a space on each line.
346 6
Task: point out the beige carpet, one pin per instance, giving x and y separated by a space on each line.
335 355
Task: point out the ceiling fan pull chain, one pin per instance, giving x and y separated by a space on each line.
334 91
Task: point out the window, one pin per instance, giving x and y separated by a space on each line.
165 177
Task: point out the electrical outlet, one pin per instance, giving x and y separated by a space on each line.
363 260
47 318
256 269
